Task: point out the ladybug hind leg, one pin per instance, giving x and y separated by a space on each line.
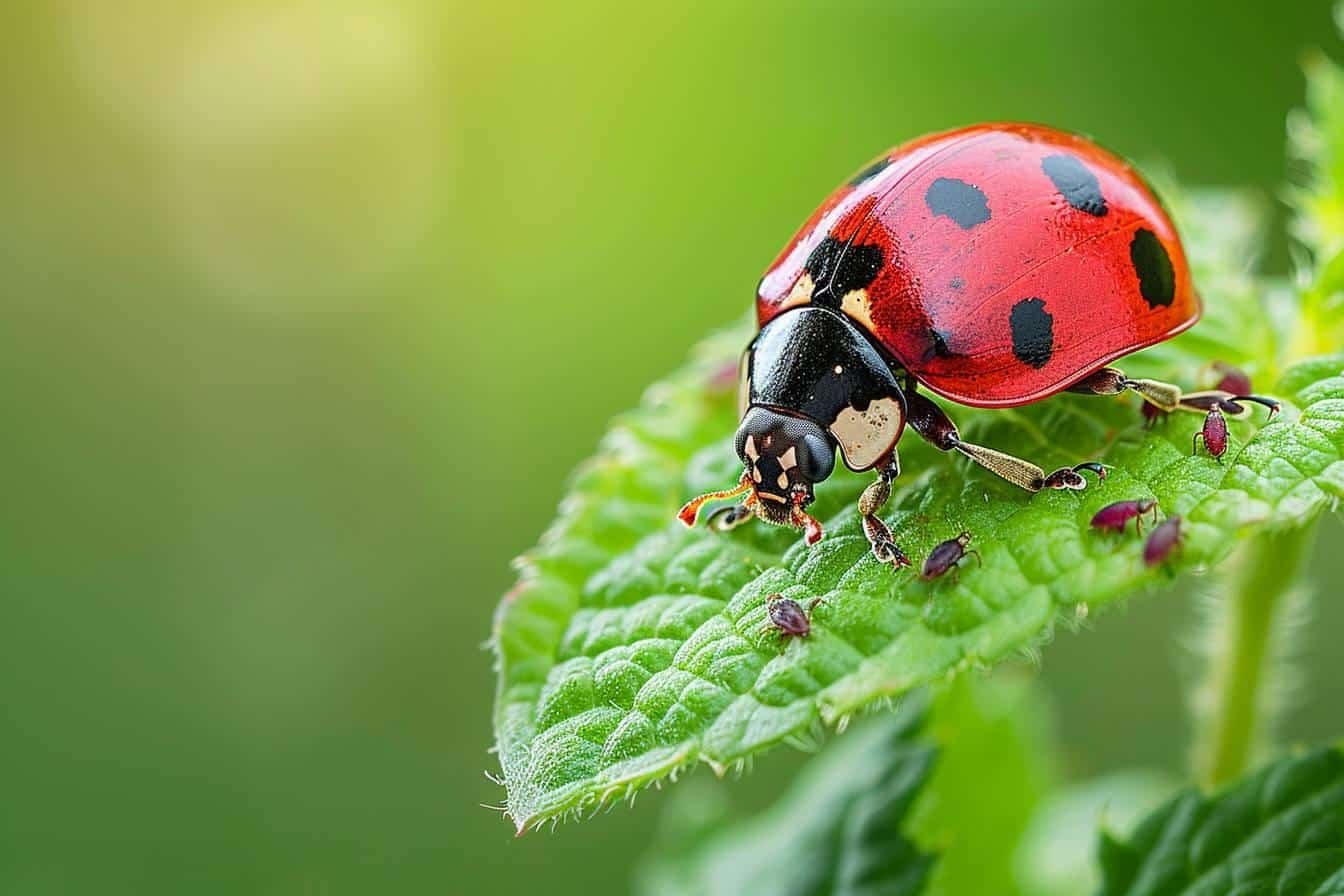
1169 397
935 427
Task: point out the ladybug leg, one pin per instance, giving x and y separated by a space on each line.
872 500
927 419
1167 397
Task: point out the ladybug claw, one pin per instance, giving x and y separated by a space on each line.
884 548
1072 477
888 552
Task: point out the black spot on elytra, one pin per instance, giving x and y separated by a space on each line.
957 200
1078 185
1157 278
1033 332
937 346
871 171
837 268
956 283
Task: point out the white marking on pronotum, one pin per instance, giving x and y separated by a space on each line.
866 436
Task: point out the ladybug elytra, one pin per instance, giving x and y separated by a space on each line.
994 266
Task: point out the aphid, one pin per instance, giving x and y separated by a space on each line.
1232 379
1163 540
1214 435
790 619
1214 431
1114 517
946 556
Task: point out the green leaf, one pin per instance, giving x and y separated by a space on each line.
837 830
983 729
1280 831
631 648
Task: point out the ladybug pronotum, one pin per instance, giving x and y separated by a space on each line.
994 266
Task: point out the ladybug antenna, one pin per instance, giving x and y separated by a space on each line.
691 510
812 530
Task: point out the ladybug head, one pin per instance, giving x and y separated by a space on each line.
784 457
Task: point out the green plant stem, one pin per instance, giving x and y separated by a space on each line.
1267 569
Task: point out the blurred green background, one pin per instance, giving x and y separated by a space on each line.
309 307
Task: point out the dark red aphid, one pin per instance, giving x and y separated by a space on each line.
1114 517
1163 540
946 556
1231 379
788 617
1214 435
995 266
1216 404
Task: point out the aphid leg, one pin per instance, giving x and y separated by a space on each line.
872 500
936 428
812 605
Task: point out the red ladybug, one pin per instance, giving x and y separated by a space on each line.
995 265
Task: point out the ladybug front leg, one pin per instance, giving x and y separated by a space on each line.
929 420
872 500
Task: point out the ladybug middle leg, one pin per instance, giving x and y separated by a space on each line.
929 420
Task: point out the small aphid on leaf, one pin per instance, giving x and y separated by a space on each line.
1231 379
1214 435
946 556
1163 540
1114 517
790 619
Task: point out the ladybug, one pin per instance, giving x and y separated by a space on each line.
993 266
